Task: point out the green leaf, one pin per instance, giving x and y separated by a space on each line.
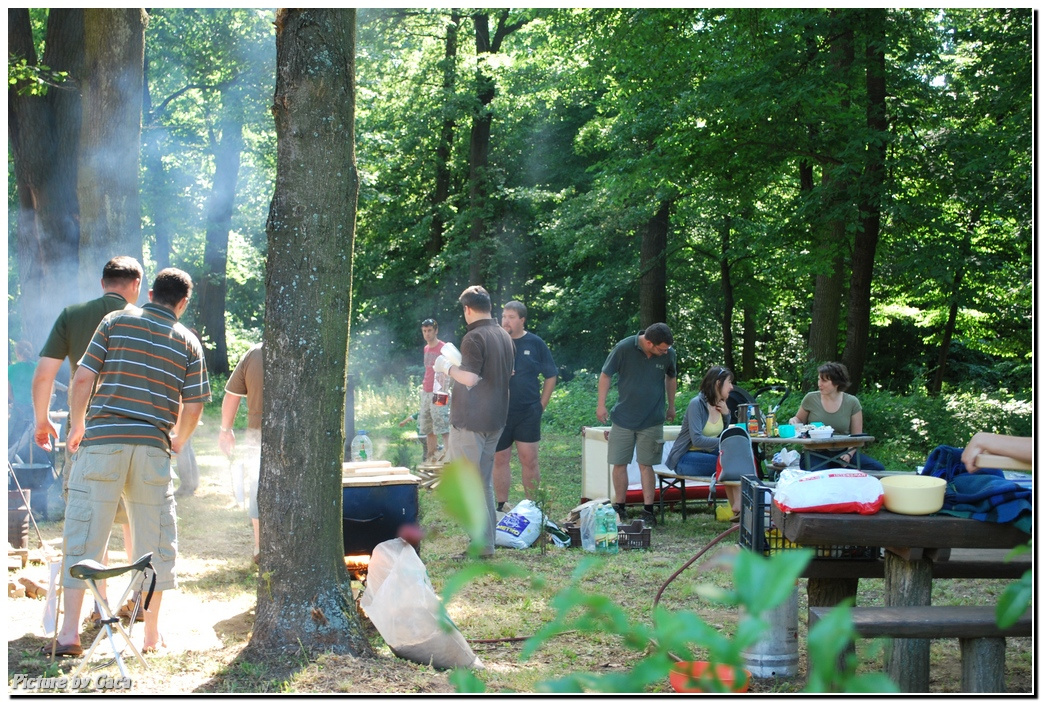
461 491
1015 600
466 682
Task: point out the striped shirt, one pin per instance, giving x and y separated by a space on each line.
147 363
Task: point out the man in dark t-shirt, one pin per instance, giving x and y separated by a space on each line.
528 400
481 395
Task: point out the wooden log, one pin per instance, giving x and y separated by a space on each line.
983 665
908 583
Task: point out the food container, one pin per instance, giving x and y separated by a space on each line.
693 676
786 431
821 432
913 494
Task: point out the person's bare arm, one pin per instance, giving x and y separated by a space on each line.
228 409
79 395
602 386
187 420
1020 448
547 390
670 395
43 385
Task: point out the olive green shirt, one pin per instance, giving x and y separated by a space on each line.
840 420
74 328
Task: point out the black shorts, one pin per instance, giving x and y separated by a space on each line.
524 426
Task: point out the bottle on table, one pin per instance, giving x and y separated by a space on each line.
361 447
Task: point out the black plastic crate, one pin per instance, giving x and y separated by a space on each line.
758 532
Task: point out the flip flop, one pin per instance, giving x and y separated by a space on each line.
62 650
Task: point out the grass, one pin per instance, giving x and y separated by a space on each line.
208 619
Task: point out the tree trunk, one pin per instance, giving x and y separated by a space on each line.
726 284
653 245
828 287
212 288
858 314
43 133
304 594
952 311
748 338
443 155
110 143
481 206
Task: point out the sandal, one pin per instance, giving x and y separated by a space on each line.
62 650
127 610
155 649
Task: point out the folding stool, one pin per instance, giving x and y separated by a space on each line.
90 572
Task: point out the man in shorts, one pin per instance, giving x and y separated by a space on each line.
433 418
69 337
151 379
531 358
646 368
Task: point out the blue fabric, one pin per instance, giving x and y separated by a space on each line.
697 463
984 495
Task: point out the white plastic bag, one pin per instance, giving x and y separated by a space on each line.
587 525
520 527
841 490
401 603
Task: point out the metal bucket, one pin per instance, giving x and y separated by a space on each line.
777 653
18 519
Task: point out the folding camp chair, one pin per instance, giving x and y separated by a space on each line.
736 457
90 572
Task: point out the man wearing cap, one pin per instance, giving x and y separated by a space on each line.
433 419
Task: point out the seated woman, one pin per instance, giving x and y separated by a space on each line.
696 448
838 409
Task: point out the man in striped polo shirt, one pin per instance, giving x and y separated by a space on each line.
147 365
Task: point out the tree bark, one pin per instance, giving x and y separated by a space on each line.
862 267
653 273
828 286
110 143
155 187
303 592
726 283
481 206
748 339
43 132
952 311
443 154
212 288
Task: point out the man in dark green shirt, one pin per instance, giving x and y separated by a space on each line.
646 368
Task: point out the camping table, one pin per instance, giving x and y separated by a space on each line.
815 446
912 545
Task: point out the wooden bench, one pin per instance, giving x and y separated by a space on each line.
982 642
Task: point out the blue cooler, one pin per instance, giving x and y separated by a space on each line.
377 500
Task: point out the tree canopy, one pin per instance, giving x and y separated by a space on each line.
781 186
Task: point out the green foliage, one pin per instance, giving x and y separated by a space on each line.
462 495
1016 598
35 79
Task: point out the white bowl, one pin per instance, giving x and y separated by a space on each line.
821 433
913 494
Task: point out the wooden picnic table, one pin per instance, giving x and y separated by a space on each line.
913 545
815 446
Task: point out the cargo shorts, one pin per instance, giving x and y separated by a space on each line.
433 419
100 475
647 443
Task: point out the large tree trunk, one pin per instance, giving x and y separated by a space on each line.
748 339
304 594
443 155
858 314
110 143
653 246
212 288
44 142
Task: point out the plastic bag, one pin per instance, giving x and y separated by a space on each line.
841 490
587 525
520 527
401 603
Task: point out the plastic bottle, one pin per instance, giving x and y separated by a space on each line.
601 530
611 529
361 447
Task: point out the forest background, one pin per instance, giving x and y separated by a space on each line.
782 187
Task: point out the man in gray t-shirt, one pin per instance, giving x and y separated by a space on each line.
646 368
